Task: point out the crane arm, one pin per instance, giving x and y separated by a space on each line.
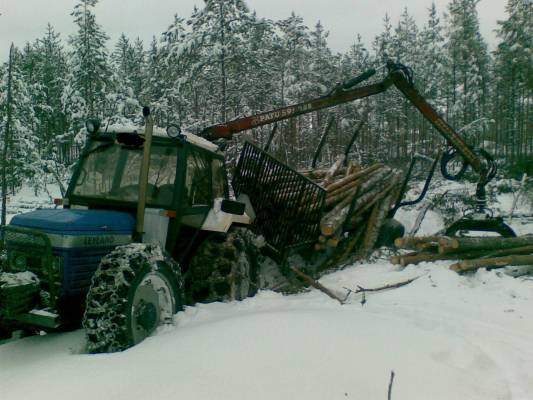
344 93
398 75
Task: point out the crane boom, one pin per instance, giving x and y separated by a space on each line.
398 75
227 129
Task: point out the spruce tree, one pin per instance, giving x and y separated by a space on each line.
88 58
21 158
514 79
50 72
430 75
124 106
468 69
219 37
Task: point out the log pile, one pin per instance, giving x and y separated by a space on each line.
471 253
357 202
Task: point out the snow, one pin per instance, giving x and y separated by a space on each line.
446 336
17 279
26 199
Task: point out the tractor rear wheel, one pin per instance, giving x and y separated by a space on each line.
135 289
223 268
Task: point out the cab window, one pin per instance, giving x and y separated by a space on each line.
198 179
219 178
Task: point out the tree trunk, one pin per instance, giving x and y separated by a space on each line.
495 262
448 245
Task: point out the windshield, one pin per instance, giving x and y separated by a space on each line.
111 171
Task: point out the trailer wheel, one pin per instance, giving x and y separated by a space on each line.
134 290
223 268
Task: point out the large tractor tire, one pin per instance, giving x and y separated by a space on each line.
223 268
135 289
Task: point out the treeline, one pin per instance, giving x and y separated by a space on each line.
224 61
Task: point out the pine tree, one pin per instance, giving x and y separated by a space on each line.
514 79
406 50
21 160
156 82
138 67
88 59
176 81
430 75
320 78
386 134
290 58
219 36
124 104
49 76
468 68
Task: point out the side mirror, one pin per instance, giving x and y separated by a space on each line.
233 207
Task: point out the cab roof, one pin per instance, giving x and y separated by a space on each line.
161 132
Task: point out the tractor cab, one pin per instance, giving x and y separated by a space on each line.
107 174
186 186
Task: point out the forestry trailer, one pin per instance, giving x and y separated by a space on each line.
147 225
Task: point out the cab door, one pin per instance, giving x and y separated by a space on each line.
197 198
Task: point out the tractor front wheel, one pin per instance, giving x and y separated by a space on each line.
135 289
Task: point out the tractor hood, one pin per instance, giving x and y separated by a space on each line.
76 222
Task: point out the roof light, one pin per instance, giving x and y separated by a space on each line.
92 125
173 131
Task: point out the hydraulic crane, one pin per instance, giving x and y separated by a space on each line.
401 77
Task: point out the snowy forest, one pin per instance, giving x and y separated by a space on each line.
224 61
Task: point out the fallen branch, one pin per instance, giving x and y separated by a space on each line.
363 290
316 284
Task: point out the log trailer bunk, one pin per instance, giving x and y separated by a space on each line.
145 224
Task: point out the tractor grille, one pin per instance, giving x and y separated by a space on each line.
288 206
71 269
27 250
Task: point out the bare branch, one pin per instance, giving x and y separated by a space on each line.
316 284
389 395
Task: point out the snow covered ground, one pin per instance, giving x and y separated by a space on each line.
445 336
27 200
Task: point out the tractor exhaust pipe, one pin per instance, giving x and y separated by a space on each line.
143 177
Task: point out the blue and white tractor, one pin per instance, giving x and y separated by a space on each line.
140 206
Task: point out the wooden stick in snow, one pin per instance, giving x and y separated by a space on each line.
316 284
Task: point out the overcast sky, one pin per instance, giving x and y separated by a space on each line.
25 20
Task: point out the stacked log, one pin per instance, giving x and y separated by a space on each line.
471 253
357 202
